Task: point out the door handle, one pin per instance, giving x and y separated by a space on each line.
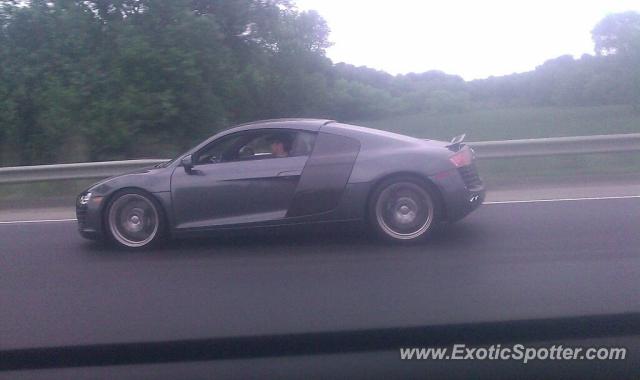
290 173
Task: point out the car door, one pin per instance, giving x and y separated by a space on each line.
236 181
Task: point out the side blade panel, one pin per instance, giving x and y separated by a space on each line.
325 175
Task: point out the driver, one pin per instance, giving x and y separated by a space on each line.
280 144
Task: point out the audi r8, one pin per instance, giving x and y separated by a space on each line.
286 172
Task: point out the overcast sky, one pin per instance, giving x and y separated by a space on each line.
473 39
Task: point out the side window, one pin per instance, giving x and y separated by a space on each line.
257 145
303 144
217 150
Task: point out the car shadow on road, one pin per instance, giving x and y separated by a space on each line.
320 239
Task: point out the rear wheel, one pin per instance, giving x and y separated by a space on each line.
134 220
402 210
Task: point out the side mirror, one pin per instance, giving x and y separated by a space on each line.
187 163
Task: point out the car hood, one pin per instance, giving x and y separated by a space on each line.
152 179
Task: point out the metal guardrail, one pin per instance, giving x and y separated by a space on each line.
88 170
483 149
557 146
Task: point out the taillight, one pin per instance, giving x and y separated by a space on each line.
462 158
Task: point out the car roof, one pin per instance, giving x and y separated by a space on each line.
315 125
293 123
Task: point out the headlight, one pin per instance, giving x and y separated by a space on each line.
84 199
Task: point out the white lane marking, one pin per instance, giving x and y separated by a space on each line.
38 221
484 203
562 200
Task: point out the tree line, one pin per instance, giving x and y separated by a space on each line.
115 79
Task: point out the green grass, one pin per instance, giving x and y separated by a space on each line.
515 123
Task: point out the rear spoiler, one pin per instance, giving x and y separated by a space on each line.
457 142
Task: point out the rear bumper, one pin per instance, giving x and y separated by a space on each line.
465 203
459 198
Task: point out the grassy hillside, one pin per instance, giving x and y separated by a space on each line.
531 122
516 123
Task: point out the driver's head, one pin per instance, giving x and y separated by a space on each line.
280 144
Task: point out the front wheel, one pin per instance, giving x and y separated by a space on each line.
402 210
134 220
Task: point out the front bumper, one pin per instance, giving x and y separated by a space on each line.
89 222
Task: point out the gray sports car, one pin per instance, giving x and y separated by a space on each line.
285 172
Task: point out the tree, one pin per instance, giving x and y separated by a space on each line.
618 33
139 78
131 78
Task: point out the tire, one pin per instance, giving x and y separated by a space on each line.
402 210
134 220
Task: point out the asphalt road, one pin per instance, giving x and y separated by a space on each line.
504 262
